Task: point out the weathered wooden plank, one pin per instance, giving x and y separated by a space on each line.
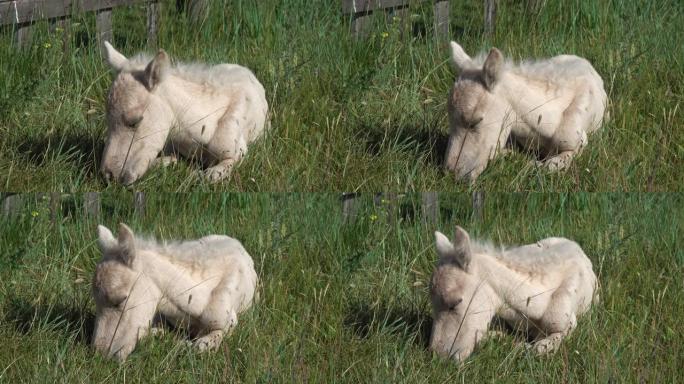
361 25
198 10
350 207
360 6
152 23
403 17
12 205
91 205
430 207
139 203
441 19
103 23
478 205
25 11
490 17
63 28
23 35
55 206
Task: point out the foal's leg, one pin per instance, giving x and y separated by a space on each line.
559 319
219 317
228 145
164 161
571 135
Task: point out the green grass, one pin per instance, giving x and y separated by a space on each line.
347 302
354 115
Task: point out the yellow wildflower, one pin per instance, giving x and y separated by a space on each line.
384 35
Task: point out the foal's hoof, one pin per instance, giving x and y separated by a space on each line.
544 346
216 174
207 343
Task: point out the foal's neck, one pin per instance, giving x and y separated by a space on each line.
181 94
506 282
169 277
525 95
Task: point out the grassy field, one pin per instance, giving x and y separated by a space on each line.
354 115
348 302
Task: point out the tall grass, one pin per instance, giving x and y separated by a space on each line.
353 114
347 302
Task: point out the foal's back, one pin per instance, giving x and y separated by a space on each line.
558 262
213 251
549 253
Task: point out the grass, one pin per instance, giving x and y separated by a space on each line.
353 115
347 302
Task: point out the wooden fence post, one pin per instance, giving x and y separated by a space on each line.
55 206
430 207
362 10
24 33
441 19
490 17
12 204
91 205
153 9
103 25
361 25
389 201
350 207
139 203
478 205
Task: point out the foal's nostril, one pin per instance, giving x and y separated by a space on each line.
107 175
128 178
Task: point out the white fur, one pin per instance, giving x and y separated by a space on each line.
540 288
208 112
202 283
547 106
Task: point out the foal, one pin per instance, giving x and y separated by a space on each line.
538 288
205 283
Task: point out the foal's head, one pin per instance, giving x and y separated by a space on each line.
476 113
125 299
458 298
138 120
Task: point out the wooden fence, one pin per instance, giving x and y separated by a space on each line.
361 11
22 14
429 206
14 204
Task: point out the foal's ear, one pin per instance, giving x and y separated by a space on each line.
443 245
456 252
461 244
157 69
105 239
459 58
114 58
126 241
491 71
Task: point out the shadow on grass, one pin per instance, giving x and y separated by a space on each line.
413 138
79 148
365 320
70 320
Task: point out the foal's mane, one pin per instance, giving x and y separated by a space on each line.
178 250
538 69
194 72
525 265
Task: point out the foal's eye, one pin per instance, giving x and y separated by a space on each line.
475 123
123 302
133 122
455 304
